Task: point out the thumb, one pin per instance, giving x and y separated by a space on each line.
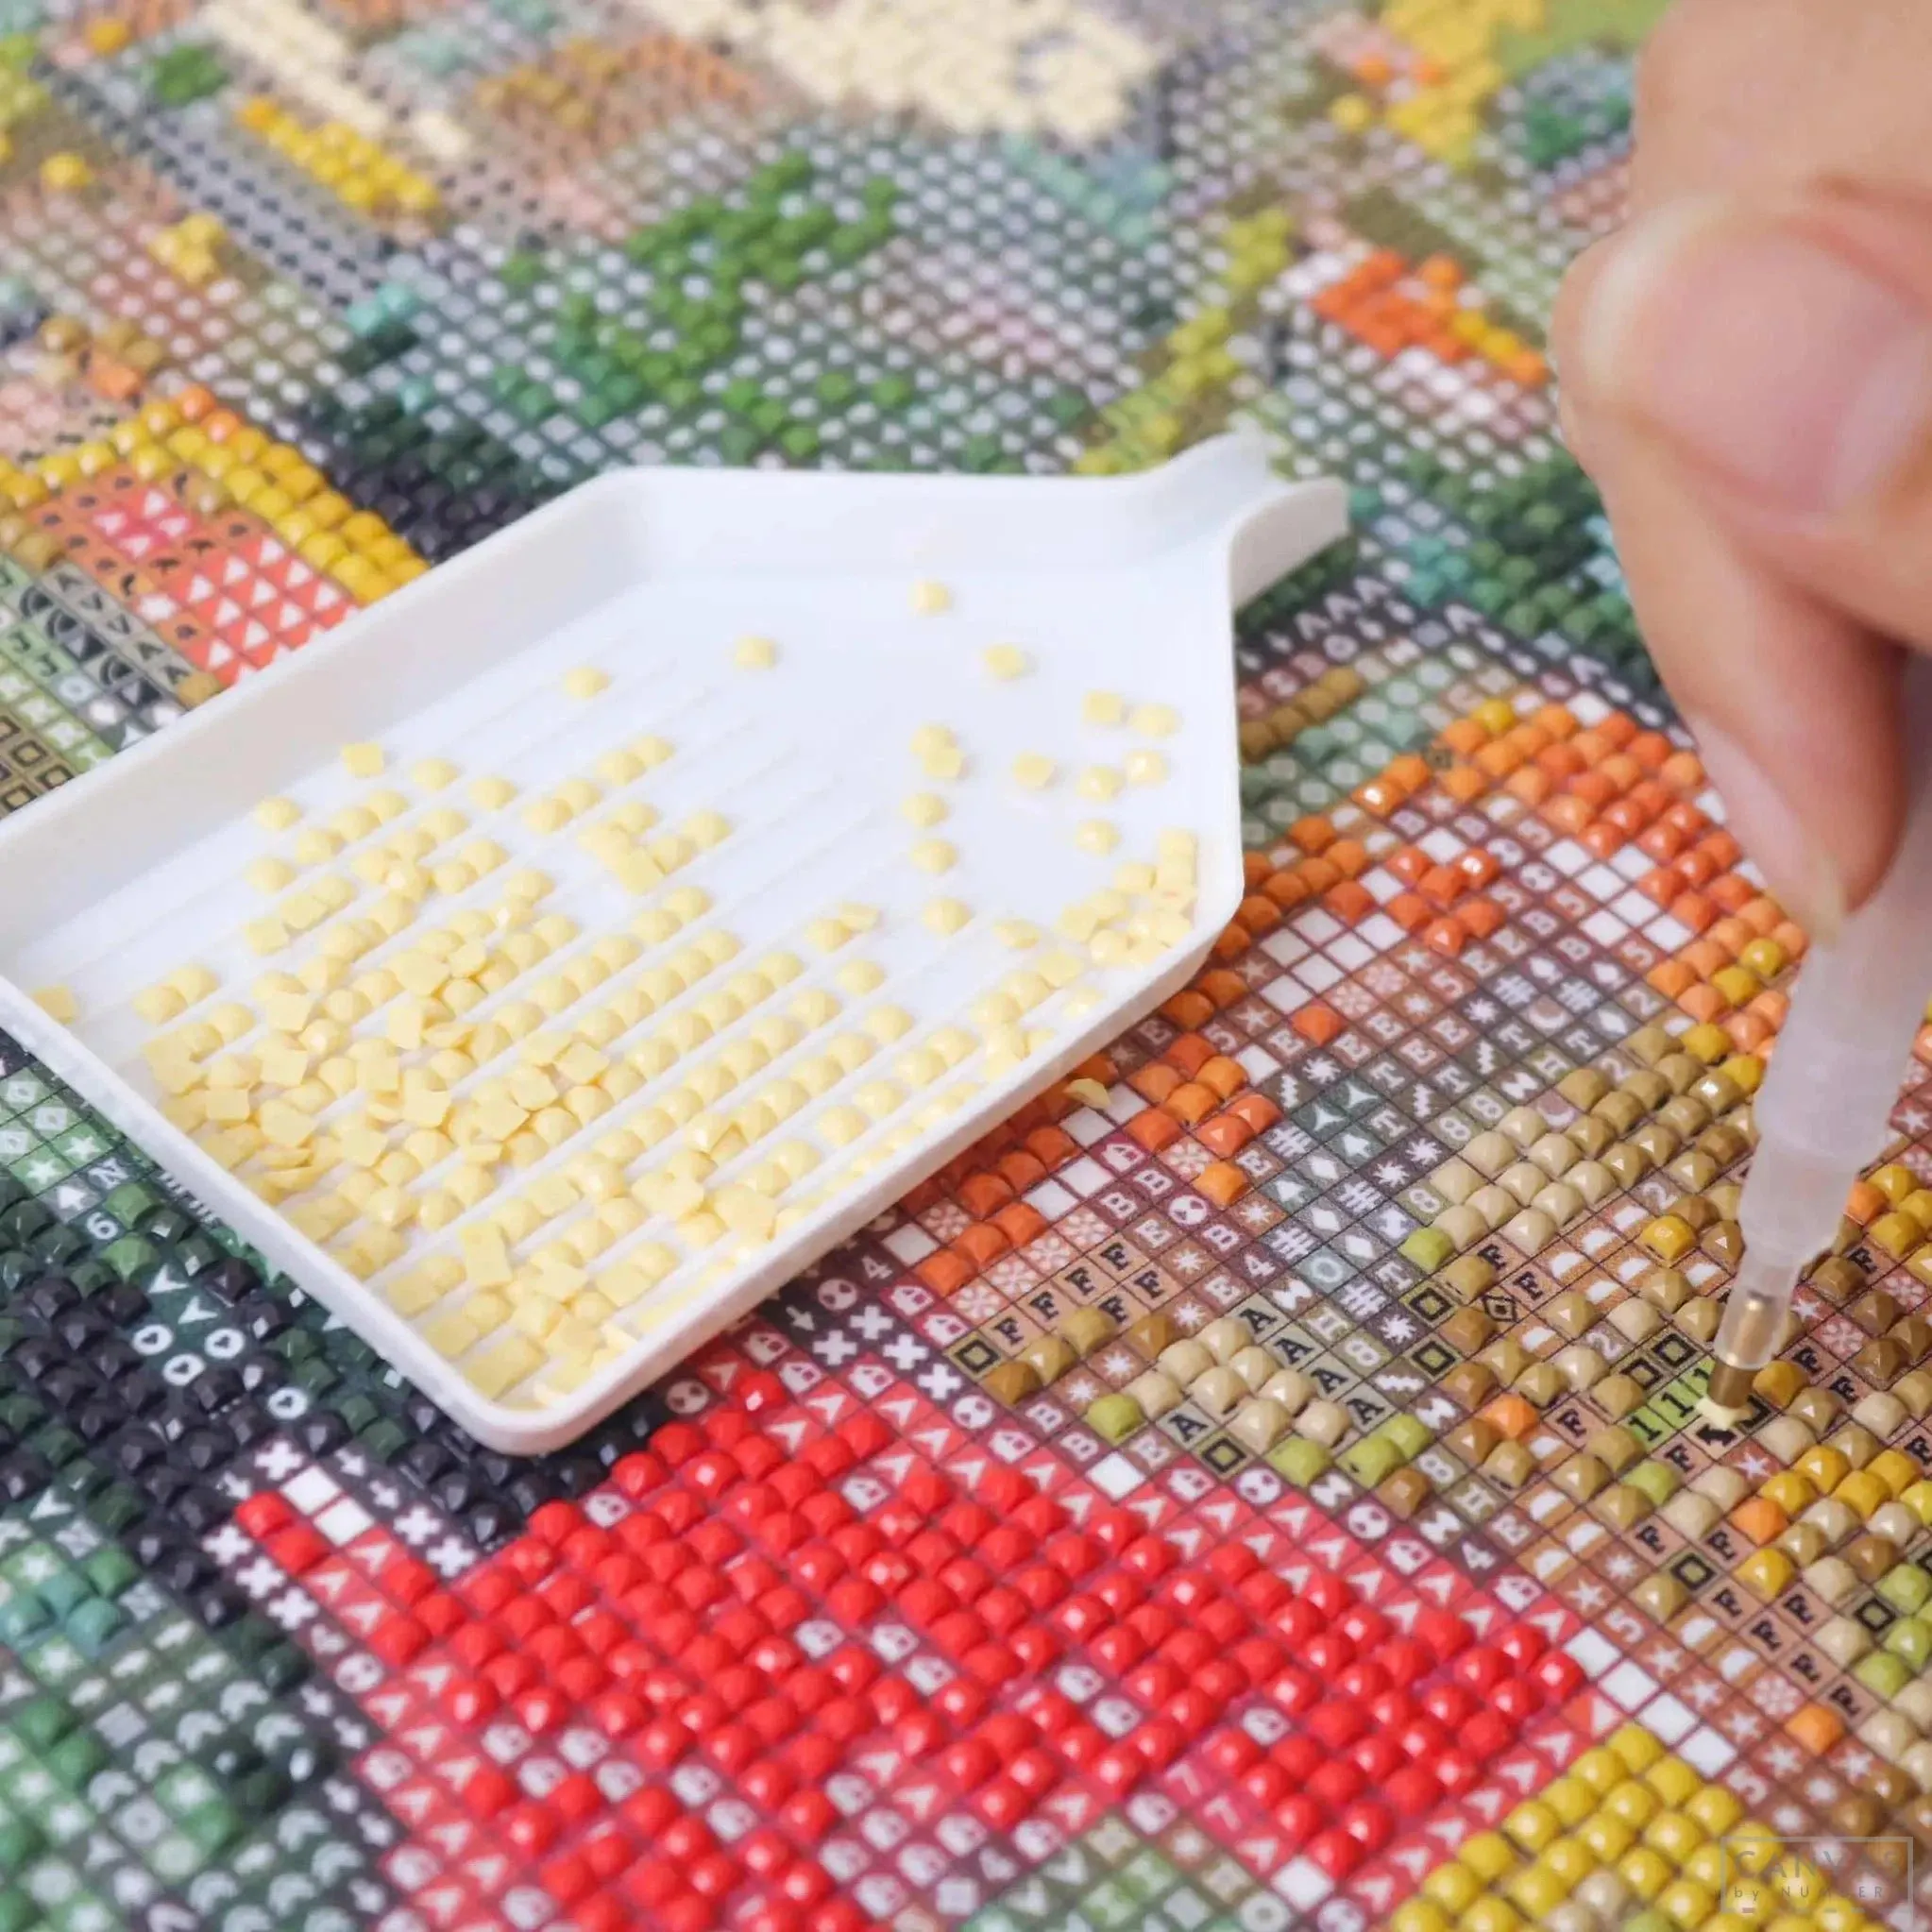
1778 356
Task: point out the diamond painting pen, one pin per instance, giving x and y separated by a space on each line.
1824 1109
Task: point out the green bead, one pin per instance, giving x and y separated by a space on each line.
211 1827
76 1758
1114 1417
1910 1640
1427 1248
1298 1460
1906 1588
1371 1460
1882 1674
94 1626
42 1722
1657 1481
1410 1436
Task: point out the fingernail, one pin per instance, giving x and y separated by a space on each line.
1797 867
1762 352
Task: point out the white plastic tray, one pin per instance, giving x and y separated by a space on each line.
654 576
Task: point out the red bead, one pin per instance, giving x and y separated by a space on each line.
1003 1803
1335 1851
713 1876
650 1810
1519 1699
1444 1633
1559 1675
1522 1643
806 1883
809 1814
1299 1818
1486 1735
690 1913
652 1881
1368 1824
1328 1654
530 1828
1332 1785
1337 1724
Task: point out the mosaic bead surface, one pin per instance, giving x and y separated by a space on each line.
1262 1486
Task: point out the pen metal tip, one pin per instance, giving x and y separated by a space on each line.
1730 1386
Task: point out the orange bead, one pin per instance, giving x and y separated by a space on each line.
1190 1053
983 1194
1224 987
1224 1136
1760 1519
1021 1223
1731 893
1153 1129
1702 1002
1498 759
1258 913
1223 1184
1865 1202
1154 1081
1463 784
1223 1076
1189 1008
1351 901
1318 1024
1312 834
1594 788
1569 813
1815 1729
1288 890
1514 1415
1465 736
1733 934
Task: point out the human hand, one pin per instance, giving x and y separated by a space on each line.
1746 372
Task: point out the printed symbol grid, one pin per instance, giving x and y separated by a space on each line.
1259 1487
